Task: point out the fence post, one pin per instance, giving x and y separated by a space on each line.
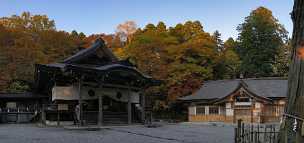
235 135
239 123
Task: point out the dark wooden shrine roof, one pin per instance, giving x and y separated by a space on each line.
263 87
64 67
98 49
95 60
21 95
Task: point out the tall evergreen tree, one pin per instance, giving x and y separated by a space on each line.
217 37
260 37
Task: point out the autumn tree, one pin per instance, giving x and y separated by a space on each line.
26 21
182 56
260 38
26 40
125 30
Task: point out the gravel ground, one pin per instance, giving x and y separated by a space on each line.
179 133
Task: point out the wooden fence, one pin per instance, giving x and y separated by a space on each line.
256 133
18 115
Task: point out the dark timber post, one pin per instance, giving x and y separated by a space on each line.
129 107
80 101
43 116
289 132
143 107
58 116
100 113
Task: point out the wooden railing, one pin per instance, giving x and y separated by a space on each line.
256 133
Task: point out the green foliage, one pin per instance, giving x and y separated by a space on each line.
228 64
260 39
217 37
282 60
18 86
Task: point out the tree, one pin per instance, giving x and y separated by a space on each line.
282 60
185 32
125 30
182 56
228 64
27 40
217 37
28 21
291 133
260 37
161 27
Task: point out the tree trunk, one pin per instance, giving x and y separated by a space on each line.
295 93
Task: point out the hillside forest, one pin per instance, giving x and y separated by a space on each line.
183 56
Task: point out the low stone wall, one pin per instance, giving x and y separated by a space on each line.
270 119
247 119
230 119
210 118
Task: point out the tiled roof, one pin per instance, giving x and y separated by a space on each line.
264 87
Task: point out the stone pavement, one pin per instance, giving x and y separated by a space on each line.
178 133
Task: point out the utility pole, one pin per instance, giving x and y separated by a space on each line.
292 127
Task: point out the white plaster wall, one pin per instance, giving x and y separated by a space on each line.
258 109
206 110
71 93
229 110
192 110
257 105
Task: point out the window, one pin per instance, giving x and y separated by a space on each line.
242 99
200 110
213 110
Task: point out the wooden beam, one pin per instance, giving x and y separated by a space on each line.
122 86
104 85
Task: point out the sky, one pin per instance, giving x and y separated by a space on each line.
103 16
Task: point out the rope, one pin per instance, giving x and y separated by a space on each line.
293 116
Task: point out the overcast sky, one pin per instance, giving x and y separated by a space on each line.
102 16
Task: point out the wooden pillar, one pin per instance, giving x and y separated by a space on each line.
100 111
58 116
43 115
143 107
80 102
129 107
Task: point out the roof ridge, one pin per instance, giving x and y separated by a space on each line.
267 78
221 80
252 78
